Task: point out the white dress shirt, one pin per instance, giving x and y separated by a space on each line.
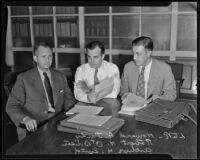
146 76
51 109
86 73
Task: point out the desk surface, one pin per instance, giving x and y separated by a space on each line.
133 138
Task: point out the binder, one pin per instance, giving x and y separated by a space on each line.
107 130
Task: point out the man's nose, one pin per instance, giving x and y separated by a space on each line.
134 56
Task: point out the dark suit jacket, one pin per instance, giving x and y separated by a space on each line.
28 97
161 80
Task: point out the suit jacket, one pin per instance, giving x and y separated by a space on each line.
28 97
161 80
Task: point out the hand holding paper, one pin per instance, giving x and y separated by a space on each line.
83 86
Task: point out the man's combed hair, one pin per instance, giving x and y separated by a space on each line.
147 42
95 44
43 44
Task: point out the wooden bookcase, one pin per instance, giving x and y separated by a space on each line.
69 28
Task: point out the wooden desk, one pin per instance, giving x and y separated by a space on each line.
134 138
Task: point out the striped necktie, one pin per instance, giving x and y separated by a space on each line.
140 85
96 81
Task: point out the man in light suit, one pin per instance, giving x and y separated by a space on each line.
29 102
159 80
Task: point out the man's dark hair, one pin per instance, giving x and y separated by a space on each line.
95 44
147 42
43 44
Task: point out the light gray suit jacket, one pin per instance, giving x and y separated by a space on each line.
28 97
161 80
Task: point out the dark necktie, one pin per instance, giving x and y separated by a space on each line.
48 89
96 81
140 85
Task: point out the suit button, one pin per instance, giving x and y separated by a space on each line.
45 112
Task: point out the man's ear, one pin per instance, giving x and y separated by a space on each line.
149 53
103 55
35 58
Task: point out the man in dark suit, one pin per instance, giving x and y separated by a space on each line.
39 93
146 76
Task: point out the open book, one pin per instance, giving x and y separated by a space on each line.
132 103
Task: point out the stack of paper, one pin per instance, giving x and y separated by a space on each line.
132 103
92 120
85 109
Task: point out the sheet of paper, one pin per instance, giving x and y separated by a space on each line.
85 109
107 82
130 107
126 112
134 99
92 120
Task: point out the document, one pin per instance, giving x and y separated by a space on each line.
132 103
85 109
105 87
92 120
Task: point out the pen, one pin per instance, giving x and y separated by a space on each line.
149 96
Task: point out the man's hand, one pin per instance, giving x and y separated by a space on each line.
92 97
30 123
83 86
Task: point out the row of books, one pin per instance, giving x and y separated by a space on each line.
65 10
96 29
19 10
67 29
20 29
43 30
42 10
24 10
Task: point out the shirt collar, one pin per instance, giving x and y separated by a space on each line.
102 65
41 72
147 66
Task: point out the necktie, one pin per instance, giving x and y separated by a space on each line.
140 85
48 88
96 81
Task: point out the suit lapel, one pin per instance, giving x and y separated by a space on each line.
152 78
37 82
55 87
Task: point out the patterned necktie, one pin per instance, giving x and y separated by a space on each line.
96 81
48 89
140 85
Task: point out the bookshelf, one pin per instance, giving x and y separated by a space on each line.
68 28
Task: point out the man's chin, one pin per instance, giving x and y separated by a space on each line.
136 63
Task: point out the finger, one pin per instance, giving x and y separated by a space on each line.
27 126
35 124
31 126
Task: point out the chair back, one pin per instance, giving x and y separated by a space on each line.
177 70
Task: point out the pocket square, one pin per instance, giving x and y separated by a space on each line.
61 91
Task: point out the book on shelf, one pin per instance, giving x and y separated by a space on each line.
67 29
